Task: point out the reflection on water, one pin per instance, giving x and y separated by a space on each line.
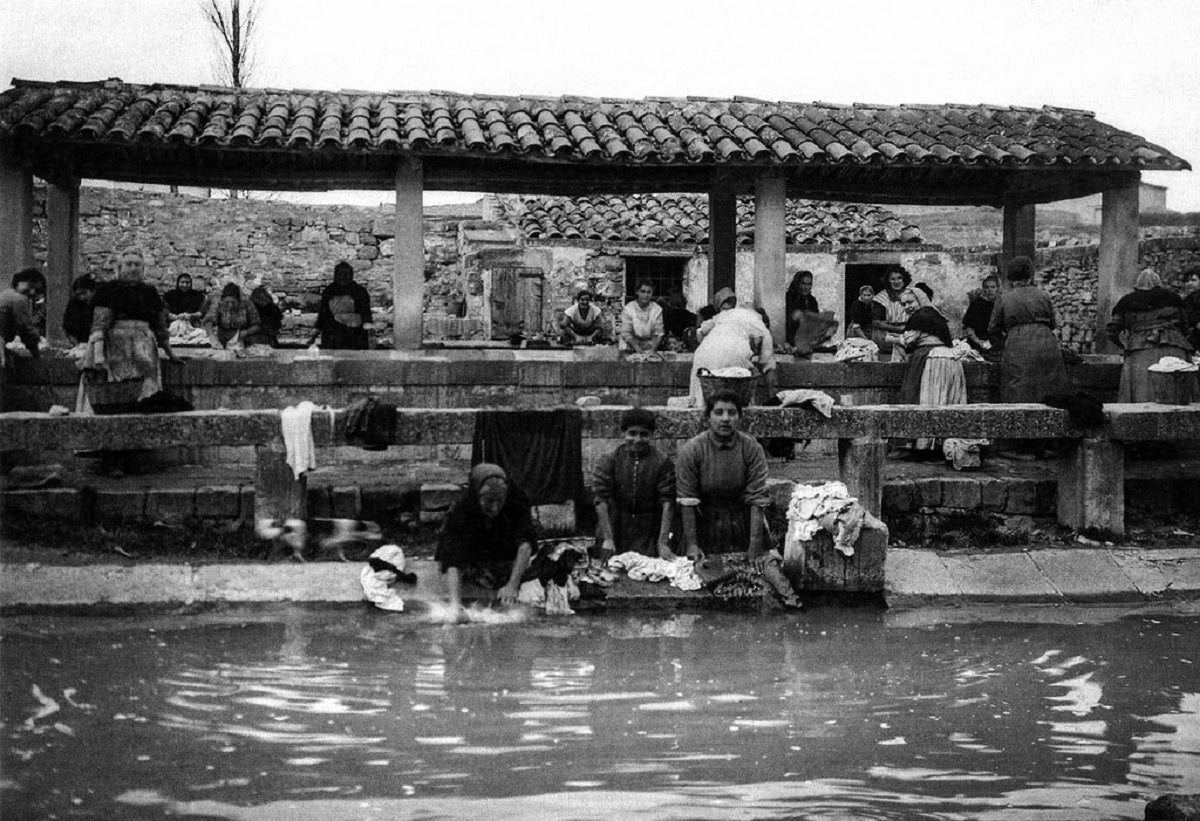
319 714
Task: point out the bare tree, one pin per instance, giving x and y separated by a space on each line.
233 24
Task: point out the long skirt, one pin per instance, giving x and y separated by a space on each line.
910 388
943 383
1135 379
1031 366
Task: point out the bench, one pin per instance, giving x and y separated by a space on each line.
1090 471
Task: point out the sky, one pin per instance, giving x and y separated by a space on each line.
1135 64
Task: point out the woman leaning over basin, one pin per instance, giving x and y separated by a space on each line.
487 537
721 484
1148 324
734 338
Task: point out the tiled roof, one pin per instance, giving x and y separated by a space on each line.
669 218
604 131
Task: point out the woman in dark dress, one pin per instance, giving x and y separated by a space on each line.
231 319
925 329
270 318
487 537
635 492
1147 324
183 302
721 484
1031 366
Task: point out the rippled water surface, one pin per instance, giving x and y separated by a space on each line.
347 714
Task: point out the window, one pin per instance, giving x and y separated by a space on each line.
665 273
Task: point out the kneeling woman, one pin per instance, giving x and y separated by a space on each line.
721 484
487 537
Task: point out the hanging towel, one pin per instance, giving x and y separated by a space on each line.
371 423
297 437
540 450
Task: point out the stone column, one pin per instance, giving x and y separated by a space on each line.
16 218
861 461
1118 256
1018 239
722 235
770 243
62 253
408 276
1091 486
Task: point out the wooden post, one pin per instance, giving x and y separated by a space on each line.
408 276
16 218
1018 239
1091 486
1118 256
722 235
278 494
62 253
860 461
770 244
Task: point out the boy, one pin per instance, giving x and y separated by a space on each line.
635 493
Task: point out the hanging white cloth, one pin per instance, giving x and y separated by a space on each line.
297 437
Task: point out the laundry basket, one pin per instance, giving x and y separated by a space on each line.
109 396
1173 388
743 386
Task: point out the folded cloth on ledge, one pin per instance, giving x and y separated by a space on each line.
816 400
856 350
1173 364
679 572
964 453
828 507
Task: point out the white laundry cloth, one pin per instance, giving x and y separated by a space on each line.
963 453
377 584
531 592
557 603
1172 364
734 372
679 572
828 507
856 350
297 437
822 402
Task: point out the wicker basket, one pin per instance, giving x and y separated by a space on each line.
743 386
1175 388
111 396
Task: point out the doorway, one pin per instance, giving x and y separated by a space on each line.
860 275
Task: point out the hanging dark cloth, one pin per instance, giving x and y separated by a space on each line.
371 423
1085 411
541 450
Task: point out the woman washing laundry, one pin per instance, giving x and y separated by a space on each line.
231 319
487 537
721 488
734 338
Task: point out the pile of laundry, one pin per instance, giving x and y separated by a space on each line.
679 572
182 332
1173 364
819 401
555 585
856 349
733 372
960 350
828 507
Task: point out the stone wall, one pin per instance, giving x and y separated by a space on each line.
293 248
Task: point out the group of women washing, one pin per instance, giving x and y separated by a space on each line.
717 486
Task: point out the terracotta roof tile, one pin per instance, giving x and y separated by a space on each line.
654 130
683 218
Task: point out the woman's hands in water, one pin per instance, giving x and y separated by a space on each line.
507 595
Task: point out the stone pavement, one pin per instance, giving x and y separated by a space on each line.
914 578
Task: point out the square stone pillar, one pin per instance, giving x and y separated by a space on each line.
770 244
62 253
861 461
722 235
1118 255
1091 486
16 218
1018 239
408 275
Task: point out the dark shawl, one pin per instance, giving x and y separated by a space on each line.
469 537
929 320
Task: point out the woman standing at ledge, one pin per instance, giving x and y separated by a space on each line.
734 338
721 484
1031 366
128 327
1146 325
231 319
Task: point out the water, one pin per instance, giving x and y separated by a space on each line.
348 714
